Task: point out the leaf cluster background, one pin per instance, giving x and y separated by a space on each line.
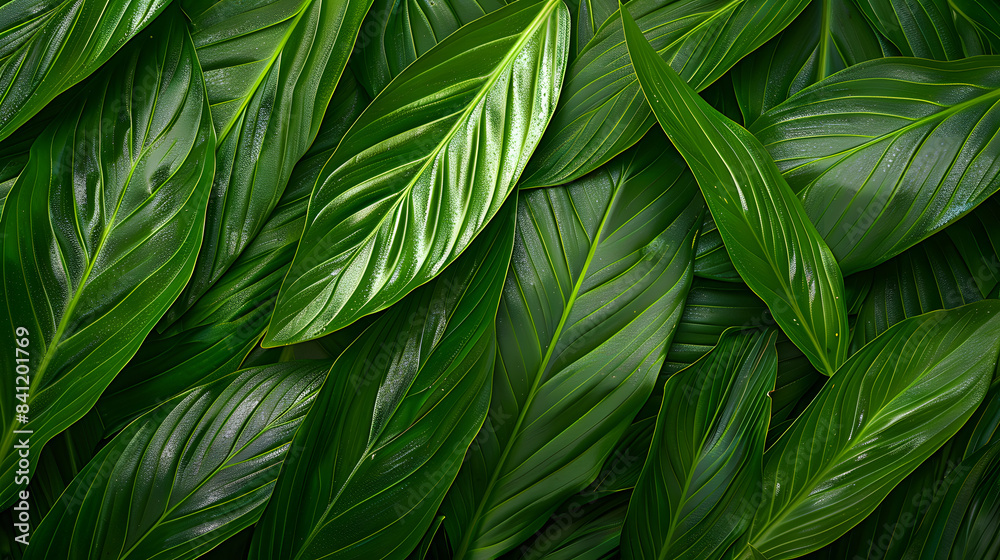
479 279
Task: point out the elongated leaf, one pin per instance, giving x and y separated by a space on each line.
579 530
61 461
600 272
977 239
827 37
397 32
98 242
872 152
388 431
963 523
602 111
711 258
270 68
888 408
921 28
419 175
927 277
588 17
186 476
213 337
984 15
771 241
705 458
49 45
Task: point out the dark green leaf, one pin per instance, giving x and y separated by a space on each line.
711 258
270 69
600 271
602 111
771 241
102 228
872 152
588 16
977 238
886 410
49 45
420 173
186 476
705 458
921 28
984 16
397 32
401 406
579 530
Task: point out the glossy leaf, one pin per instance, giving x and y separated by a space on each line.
602 111
705 457
984 15
270 70
49 45
102 228
588 17
828 36
711 257
191 473
871 151
388 431
977 239
888 408
921 28
773 245
600 272
419 175
397 32
579 530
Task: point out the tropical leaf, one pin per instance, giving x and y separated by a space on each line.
270 69
419 175
870 151
602 111
188 475
99 242
827 37
600 271
977 239
401 406
921 28
773 245
984 17
893 404
579 530
212 339
588 16
705 457
49 45
963 523
397 32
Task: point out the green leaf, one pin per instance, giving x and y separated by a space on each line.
270 69
927 277
963 523
705 458
773 245
49 45
397 32
602 111
62 459
188 475
921 28
102 229
427 542
984 16
827 37
600 272
711 258
213 338
888 409
588 17
579 530
871 151
421 171
977 239
387 433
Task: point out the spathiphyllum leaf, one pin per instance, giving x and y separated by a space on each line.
602 111
921 28
213 337
187 475
46 46
871 151
101 229
893 404
704 464
598 279
270 69
397 32
770 239
387 433
423 169
827 37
